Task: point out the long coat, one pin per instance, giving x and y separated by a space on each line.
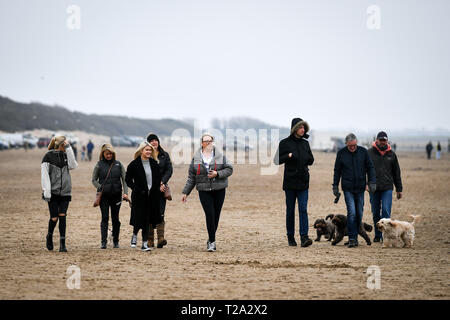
145 208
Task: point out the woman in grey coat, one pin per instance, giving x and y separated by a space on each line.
209 172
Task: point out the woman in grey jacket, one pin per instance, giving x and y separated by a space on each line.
57 186
209 172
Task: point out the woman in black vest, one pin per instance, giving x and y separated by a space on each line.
144 178
109 176
166 170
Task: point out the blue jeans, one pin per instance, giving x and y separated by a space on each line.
381 203
355 208
302 197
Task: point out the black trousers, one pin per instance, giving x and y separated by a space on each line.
113 202
212 202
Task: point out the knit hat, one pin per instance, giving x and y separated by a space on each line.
151 136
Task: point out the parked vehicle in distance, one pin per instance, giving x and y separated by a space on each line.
121 141
4 145
43 142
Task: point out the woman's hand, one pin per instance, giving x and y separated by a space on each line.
184 198
125 197
212 174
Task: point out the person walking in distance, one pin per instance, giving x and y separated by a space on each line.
354 166
429 148
295 153
144 179
90 148
57 186
166 170
109 177
438 151
388 174
209 172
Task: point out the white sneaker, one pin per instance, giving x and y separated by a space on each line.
145 247
211 246
133 241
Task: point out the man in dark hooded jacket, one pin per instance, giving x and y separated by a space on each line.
295 153
388 174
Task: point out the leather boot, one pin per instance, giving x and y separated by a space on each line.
62 244
49 241
160 233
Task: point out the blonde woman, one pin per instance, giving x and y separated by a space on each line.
109 176
209 172
144 179
57 186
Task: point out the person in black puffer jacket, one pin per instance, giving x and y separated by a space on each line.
112 195
166 170
295 152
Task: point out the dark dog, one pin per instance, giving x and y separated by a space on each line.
340 221
324 227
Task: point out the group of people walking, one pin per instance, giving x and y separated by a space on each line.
375 170
147 176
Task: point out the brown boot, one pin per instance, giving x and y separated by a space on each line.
160 233
151 237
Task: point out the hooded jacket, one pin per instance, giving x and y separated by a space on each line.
296 172
198 174
55 176
387 168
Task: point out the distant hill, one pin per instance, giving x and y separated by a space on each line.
15 116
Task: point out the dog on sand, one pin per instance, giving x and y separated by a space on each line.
340 221
395 232
324 227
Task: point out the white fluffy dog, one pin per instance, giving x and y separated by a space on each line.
394 230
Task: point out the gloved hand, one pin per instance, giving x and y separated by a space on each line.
336 191
372 187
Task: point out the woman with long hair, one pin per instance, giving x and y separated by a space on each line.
166 170
57 186
144 179
109 177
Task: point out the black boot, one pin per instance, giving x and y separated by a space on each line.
104 233
305 241
50 241
291 241
62 244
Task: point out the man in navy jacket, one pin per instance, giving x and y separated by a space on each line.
353 165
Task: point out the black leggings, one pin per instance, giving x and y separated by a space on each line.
145 232
113 202
212 202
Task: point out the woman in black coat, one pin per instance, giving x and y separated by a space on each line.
166 170
144 179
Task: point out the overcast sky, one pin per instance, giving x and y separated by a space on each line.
271 60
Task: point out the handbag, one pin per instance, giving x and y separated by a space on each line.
167 193
98 195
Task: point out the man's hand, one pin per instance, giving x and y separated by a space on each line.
336 191
184 198
162 187
372 187
399 195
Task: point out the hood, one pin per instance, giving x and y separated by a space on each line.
374 144
296 123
